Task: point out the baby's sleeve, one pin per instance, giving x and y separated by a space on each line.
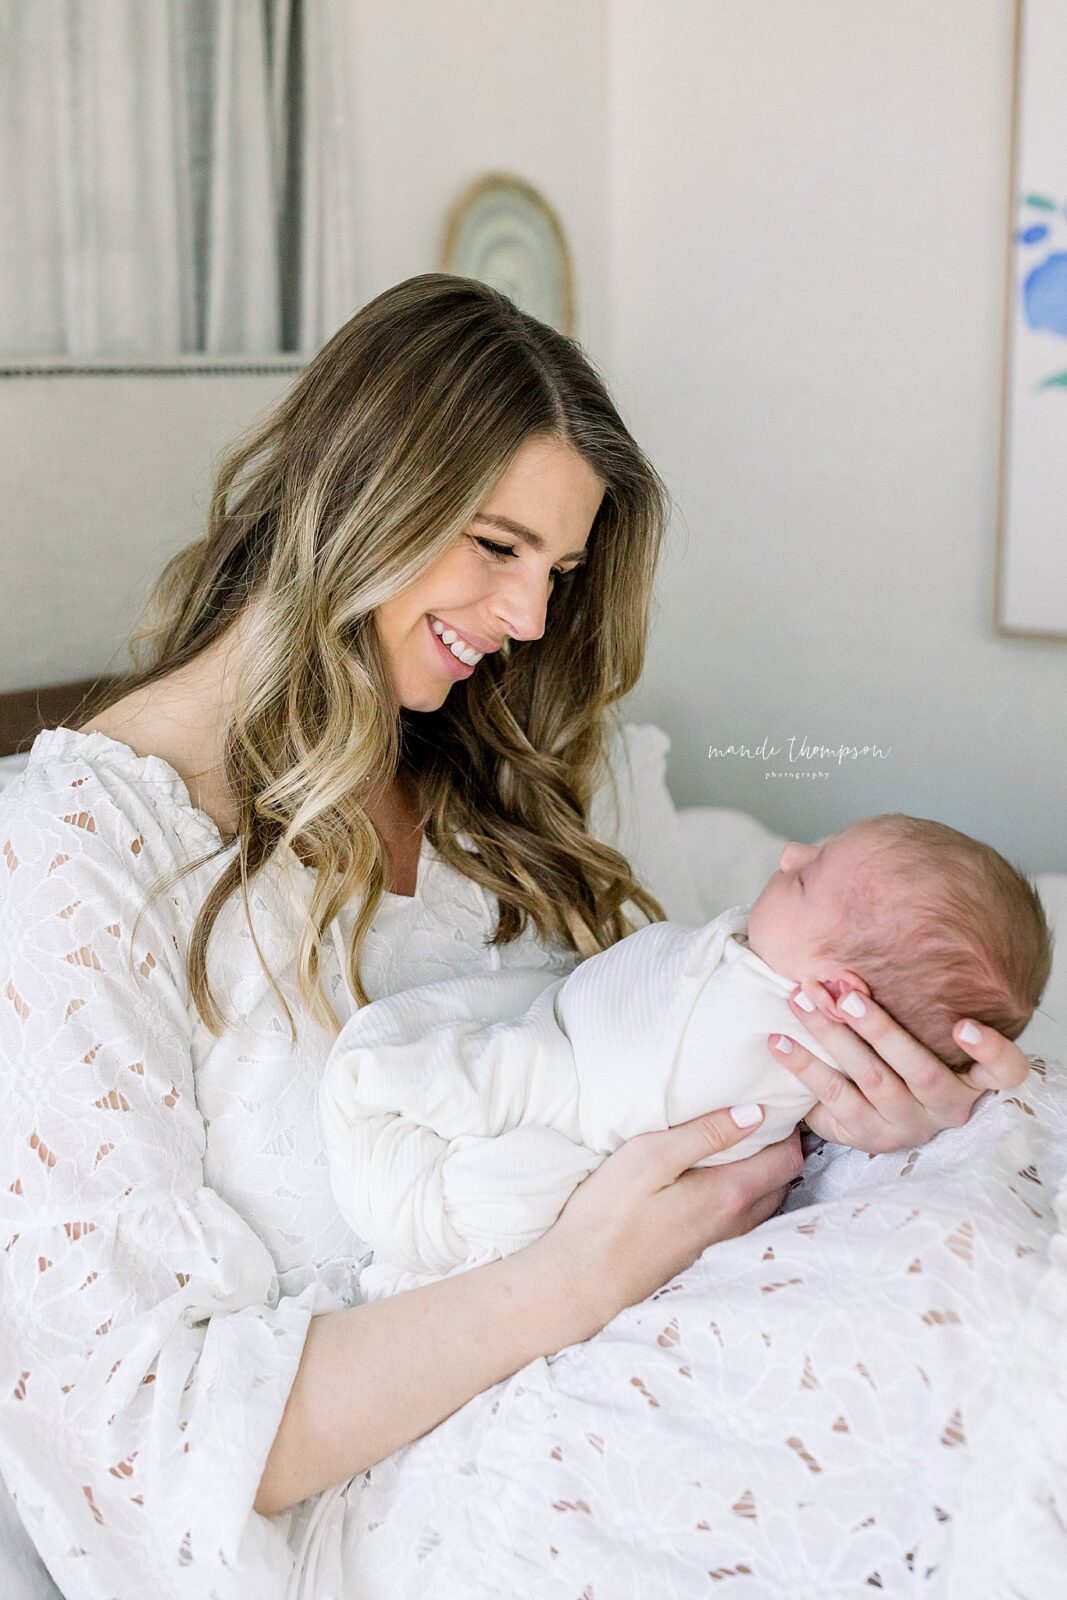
145 1353
448 1114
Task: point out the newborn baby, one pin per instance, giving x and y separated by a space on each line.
459 1116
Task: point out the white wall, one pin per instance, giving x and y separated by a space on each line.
808 242
447 91
439 95
104 475
788 223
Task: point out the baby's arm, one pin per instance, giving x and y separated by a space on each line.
446 1112
469 1055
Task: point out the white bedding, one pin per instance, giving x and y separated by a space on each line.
820 1410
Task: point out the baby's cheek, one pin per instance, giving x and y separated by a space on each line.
765 921
758 912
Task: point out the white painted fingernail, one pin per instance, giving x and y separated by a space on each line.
783 1043
803 1002
853 1004
746 1116
969 1034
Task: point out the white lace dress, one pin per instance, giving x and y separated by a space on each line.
168 1227
867 1394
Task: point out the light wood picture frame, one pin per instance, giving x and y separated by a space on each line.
503 232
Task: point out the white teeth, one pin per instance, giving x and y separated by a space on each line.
459 648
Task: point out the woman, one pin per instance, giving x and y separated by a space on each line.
376 694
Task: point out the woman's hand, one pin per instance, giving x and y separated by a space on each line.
896 1093
642 1216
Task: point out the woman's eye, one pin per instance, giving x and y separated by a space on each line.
501 552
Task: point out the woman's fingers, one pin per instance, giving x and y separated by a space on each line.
896 1091
866 1040
772 1170
842 1114
919 1093
998 1063
677 1149
745 1192
642 1216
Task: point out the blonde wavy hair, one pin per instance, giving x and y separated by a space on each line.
368 470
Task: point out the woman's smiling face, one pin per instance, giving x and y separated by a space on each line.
497 581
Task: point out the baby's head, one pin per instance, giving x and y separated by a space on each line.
931 924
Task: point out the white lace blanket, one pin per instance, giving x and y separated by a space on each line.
866 1395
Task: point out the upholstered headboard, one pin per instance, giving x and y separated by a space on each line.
105 472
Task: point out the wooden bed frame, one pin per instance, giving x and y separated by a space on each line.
24 712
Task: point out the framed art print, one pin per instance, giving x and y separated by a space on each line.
1032 556
504 233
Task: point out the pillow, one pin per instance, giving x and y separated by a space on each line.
1046 1032
729 855
633 811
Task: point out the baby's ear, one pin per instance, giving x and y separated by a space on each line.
845 980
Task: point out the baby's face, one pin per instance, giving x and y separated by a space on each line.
802 906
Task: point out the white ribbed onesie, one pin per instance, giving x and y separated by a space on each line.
458 1117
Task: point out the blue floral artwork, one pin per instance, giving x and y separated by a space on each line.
1043 284
1032 516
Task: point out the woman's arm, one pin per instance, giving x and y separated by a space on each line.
897 1092
146 1354
374 1377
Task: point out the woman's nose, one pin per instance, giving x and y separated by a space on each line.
521 605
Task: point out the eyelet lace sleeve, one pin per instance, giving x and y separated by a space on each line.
145 1353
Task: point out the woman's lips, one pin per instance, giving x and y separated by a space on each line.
456 667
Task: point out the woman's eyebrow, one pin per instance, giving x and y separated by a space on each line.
534 540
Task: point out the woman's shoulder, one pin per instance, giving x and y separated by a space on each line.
86 794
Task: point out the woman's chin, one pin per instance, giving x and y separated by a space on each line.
425 696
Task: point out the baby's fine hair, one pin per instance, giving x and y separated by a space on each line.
942 927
